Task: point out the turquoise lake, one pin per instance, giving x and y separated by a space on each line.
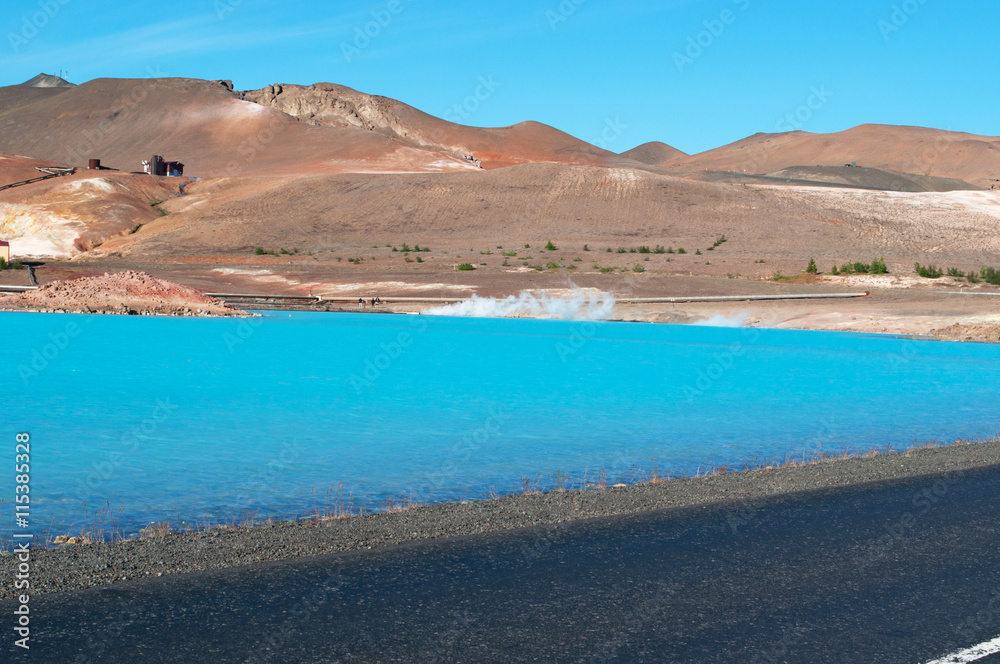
200 420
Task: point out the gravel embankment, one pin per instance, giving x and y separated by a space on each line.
74 567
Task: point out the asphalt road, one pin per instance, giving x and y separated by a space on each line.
905 572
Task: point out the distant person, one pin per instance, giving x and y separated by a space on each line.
373 303
378 302
361 303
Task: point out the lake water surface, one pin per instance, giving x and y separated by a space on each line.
202 419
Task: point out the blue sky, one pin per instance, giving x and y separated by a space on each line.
696 74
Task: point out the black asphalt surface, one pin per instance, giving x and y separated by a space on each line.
902 572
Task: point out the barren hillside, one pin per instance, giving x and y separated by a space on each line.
947 154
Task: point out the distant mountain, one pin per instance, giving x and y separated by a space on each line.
655 154
918 150
48 81
279 130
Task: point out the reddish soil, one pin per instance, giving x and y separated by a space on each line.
125 293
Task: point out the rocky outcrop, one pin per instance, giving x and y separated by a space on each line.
125 293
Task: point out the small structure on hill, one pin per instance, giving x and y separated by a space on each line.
5 252
157 166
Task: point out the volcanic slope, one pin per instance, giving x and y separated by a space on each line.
946 154
572 205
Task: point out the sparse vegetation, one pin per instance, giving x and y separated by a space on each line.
811 268
465 267
512 253
835 271
586 247
550 247
659 249
877 266
638 268
681 251
928 271
697 252
607 270
135 229
13 265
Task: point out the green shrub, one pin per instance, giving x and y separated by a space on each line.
644 250
550 247
260 251
835 271
990 275
698 252
465 267
552 265
955 272
879 266
811 268
622 250
607 270
681 251
586 248
928 271
135 229
512 253
406 248
659 249
638 268
972 278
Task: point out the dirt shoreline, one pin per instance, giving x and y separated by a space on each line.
76 567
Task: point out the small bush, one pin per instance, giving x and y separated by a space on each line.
260 251
879 266
552 265
659 249
419 259
609 250
511 254
681 251
406 248
955 272
644 250
972 278
550 247
622 250
135 229
835 271
607 270
698 252
465 267
990 275
928 271
638 268
811 268
586 247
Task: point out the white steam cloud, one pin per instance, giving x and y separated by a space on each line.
734 320
578 305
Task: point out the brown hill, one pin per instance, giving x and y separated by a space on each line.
279 130
330 105
655 154
935 152
202 124
351 214
48 81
